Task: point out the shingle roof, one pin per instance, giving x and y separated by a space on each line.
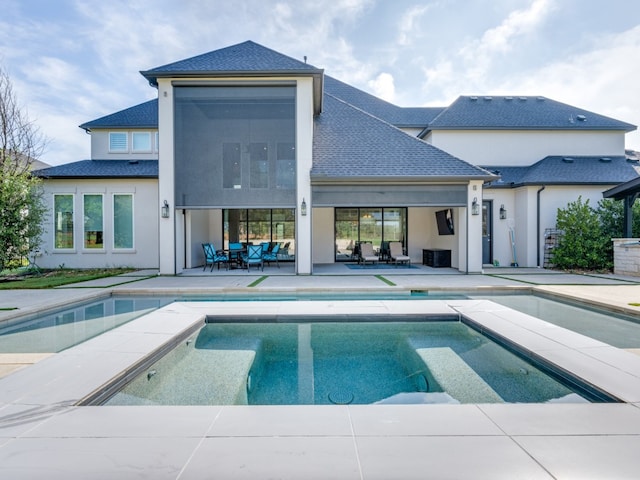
398 116
350 144
564 170
527 113
144 115
102 169
243 57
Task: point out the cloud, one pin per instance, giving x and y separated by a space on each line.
407 24
383 87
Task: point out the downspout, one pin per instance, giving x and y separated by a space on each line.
538 224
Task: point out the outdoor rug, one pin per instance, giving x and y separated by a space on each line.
378 266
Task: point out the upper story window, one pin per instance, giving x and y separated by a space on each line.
141 142
118 142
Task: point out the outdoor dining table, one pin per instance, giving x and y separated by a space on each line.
235 257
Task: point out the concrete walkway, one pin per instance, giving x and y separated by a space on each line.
44 435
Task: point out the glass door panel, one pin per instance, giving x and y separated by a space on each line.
346 232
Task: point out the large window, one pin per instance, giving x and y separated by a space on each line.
122 221
235 146
63 221
261 225
93 221
377 226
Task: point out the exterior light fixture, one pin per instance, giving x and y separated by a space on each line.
303 208
503 212
165 210
475 208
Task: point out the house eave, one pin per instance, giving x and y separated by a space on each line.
316 74
398 180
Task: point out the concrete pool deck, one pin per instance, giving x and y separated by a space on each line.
43 435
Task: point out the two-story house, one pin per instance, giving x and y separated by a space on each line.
245 144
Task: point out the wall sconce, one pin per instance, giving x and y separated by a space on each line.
475 208
503 212
165 210
303 208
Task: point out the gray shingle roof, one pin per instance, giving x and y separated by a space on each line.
350 144
102 169
243 57
564 170
527 113
144 115
398 116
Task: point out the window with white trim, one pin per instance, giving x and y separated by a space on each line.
118 142
122 221
141 142
93 221
63 221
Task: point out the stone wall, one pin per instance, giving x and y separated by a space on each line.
626 256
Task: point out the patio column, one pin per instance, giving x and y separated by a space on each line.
304 155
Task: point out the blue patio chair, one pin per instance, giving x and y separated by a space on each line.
272 256
265 247
214 257
253 257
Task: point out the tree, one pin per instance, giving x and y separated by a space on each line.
22 207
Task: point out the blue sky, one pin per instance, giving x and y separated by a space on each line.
74 61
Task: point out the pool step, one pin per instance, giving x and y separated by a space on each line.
455 377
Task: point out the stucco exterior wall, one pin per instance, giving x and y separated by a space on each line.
523 148
145 224
522 212
100 146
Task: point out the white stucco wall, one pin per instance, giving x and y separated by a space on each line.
145 224
523 148
100 146
304 158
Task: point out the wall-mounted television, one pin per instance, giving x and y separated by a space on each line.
444 219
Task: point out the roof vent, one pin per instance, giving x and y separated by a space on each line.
133 162
541 99
567 160
488 99
581 118
473 99
508 99
523 99
605 159
632 160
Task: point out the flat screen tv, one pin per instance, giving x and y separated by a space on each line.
444 219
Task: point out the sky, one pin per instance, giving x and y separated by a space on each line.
74 61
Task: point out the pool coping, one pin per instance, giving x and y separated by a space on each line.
43 396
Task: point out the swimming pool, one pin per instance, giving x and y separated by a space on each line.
297 362
622 331
60 329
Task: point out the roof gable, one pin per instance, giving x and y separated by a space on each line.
521 113
243 57
144 115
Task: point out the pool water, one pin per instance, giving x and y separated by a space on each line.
614 329
341 363
58 330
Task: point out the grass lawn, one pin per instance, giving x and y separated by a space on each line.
54 278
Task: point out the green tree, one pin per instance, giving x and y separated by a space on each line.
22 209
583 244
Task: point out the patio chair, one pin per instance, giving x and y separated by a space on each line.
367 254
272 256
214 257
253 257
397 254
